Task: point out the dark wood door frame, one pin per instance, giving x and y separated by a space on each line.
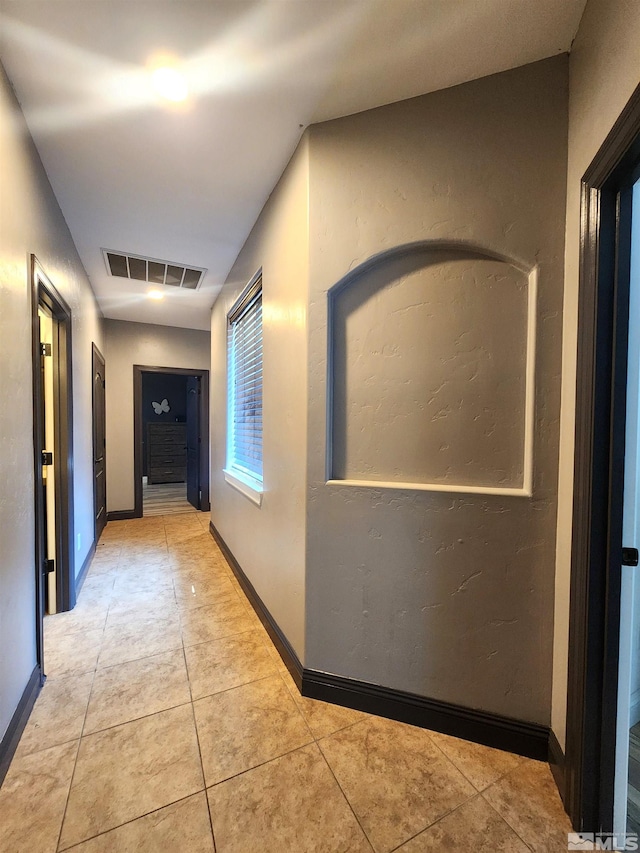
97 359
138 370
594 618
44 293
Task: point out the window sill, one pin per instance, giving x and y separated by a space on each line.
251 489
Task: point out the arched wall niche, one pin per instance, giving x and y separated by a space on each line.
431 367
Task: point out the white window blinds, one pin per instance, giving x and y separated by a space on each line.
245 384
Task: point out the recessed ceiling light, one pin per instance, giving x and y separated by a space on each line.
155 294
170 83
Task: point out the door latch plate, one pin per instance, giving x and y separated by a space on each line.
47 457
629 556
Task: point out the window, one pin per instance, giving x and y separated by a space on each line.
244 391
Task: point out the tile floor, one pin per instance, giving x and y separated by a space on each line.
169 723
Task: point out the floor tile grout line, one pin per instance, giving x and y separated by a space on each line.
293 696
455 766
502 817
433 823
341 728
22 754
84 720
299 709
261 764
503 775
134 660
220 637
348 802
109 728
505 818
202 770
66 803
186 666
234 687
131 820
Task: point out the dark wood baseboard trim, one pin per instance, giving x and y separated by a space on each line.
121 515
12 736
527 739
281 643
82 574
556 763
523 738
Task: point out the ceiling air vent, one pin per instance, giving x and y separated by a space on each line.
152 270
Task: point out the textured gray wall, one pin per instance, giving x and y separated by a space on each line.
269 541
445 595
31 221
153 346
429 367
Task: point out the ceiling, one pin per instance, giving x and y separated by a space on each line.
185 182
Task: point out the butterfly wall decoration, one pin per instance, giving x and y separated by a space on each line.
159 408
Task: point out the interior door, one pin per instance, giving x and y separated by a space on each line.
47 443
628 714
99 444
193 440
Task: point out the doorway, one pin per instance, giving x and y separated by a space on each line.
171 448
48 331
599 686
53 450
99 443
627 776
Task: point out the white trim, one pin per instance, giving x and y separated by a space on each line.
432 487
530 382
251 489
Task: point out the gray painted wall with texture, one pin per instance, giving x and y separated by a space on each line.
269 541
445 595
31 222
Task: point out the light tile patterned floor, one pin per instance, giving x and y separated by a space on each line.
168 720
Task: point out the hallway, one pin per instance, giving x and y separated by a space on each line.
167 712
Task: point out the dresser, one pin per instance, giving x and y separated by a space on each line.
166 453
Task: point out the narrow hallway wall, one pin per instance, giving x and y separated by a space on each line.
269 541
31 222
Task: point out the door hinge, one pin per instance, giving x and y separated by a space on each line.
47 457
629 556
48 567
45 349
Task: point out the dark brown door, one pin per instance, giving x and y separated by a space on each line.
193 440
99 443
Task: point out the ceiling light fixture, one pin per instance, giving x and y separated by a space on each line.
170 83
155 294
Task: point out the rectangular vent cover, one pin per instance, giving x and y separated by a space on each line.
138 268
